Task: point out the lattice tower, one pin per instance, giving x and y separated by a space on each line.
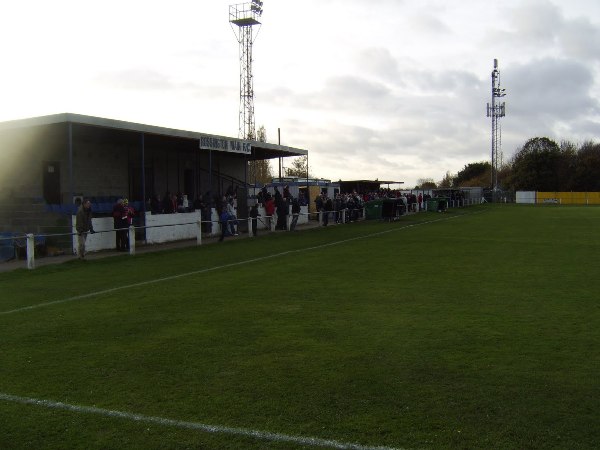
496 110
245 17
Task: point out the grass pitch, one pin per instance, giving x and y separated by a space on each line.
478 328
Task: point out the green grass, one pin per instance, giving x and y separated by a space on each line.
479 328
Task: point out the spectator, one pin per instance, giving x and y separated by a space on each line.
263 195
129 214
83 225
119 214
302 199
269 211
174 205
413 202
232 216
224 219
155 207
282 211
167 204
328 208
351 205
254 218
319 205
295 213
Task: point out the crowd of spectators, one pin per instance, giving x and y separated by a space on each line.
412 201
347 207
170 203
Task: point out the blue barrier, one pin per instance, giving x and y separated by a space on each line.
7 246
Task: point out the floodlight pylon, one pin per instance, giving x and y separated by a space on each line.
245 17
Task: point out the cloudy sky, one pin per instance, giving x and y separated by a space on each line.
387 89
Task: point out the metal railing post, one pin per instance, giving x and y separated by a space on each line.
131 240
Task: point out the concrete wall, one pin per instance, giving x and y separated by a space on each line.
99 169
22 157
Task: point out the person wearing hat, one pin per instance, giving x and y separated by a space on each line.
127 220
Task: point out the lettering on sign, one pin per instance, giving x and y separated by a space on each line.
225 145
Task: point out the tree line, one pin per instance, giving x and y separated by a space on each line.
540 164
260 171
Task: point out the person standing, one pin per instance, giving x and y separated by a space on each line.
83 225
232 217
282 211
319 205
155 205
225 221
282 207
120 223
295 213
254 218
127 221
269 211
337 207
328 209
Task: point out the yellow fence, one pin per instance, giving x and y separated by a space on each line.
569 198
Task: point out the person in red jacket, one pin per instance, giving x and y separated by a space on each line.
129 212
120 222
269 210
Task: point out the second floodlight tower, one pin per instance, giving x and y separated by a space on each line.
496 110
245 17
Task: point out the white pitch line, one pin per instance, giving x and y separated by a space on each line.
233 431
210 269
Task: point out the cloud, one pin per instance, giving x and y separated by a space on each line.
430 24
581 39
536 24
551 90
137 79
378 62
541 28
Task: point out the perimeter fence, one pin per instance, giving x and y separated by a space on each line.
179 227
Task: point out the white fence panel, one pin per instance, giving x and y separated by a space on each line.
526 197
171 227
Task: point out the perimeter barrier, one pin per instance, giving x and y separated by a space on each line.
12 244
